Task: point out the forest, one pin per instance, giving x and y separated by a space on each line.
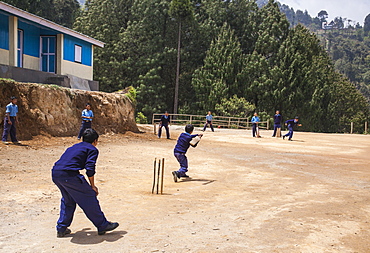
235 57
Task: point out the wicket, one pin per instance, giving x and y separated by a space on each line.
158 169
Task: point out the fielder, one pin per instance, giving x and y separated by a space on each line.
74 187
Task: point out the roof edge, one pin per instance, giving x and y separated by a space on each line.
50 24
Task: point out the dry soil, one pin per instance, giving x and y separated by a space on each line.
245 195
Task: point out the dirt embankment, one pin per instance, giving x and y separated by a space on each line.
54 110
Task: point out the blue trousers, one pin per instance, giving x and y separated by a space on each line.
9 129
75 189
167 131
290 133
84 126
210 125
254 129
276 126
183 161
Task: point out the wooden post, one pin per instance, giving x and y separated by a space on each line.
366 127
191 118
238 123
268 125
228 124
351 127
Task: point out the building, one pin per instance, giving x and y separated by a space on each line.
34 49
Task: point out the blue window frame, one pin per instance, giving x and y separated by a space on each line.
47 51
20 49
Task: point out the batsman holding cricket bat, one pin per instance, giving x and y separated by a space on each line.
183 143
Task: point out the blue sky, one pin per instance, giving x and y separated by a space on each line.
351 9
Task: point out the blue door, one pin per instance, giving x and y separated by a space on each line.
47 49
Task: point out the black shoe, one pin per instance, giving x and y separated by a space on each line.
290 140
175 176
64 233
185 176
111 226
283 137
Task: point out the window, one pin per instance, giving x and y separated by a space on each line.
78 54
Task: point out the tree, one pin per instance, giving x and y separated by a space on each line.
180 10
217 78
367 24
234 107
323 15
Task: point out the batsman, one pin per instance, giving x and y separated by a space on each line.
183 143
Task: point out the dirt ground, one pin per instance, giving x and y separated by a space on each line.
245 195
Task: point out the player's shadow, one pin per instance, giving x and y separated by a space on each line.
189 179
88 236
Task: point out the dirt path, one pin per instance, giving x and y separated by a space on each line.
245 195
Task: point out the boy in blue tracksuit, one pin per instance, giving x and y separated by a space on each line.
291 123
74 187
277 122
87 116
183 144
209 119
10 121
165 121
255 120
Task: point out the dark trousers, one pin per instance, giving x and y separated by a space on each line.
75 189
9 129
276 126
160 131
183 161
290 133
84 125
254 129
210 125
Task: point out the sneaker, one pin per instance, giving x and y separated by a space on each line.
175 176
111 226
283 137
64 233
290 140
17 143
185 176
5 142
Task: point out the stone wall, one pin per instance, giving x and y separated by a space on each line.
55 110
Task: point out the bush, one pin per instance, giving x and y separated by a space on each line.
141 118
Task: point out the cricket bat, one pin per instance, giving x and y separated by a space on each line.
194 142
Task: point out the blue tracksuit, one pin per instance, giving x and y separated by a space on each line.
277 123
86 123
74 187
291 123
182 146
165 120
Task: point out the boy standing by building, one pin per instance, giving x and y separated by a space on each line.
10 121
74 187
209 119
277 124
87 116
182 146
165 121
255 120
291 123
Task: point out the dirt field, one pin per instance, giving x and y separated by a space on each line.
245 195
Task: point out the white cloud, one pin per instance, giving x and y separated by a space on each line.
355 10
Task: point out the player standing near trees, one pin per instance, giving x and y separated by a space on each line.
165 120
277 124
209 119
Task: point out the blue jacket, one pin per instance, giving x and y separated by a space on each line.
183 142
165 120
80 156
277 119
291 123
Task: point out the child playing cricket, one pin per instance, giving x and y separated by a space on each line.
183 144
74 187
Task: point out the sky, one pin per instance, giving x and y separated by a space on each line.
351 9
